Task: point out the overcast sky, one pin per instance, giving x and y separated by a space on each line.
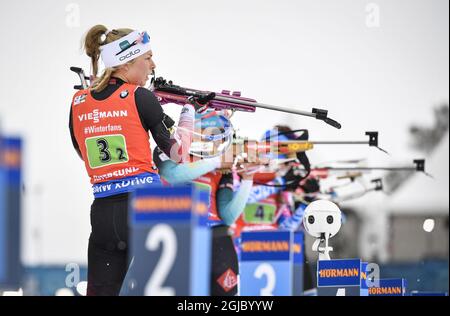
375 65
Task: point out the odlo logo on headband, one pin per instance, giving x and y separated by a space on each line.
130 54
124 46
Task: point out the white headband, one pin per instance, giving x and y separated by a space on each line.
125 49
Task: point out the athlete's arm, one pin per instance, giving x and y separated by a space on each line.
175 173
154 119
230 205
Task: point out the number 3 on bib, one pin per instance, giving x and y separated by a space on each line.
106 150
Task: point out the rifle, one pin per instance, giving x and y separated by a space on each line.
83 78
167 92
250 150
324 172
351 173
334 196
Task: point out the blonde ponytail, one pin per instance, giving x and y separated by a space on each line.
97 36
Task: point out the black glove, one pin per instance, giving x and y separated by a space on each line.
310 185
200 103
226 181
291 180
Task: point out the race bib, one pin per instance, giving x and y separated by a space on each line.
259 213
106 150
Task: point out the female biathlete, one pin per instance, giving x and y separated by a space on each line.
225 206
109 125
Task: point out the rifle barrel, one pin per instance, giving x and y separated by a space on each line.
265 106
369 168
340 142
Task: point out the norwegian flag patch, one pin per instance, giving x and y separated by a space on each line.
79 99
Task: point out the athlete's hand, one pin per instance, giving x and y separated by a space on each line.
201 103
248 170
